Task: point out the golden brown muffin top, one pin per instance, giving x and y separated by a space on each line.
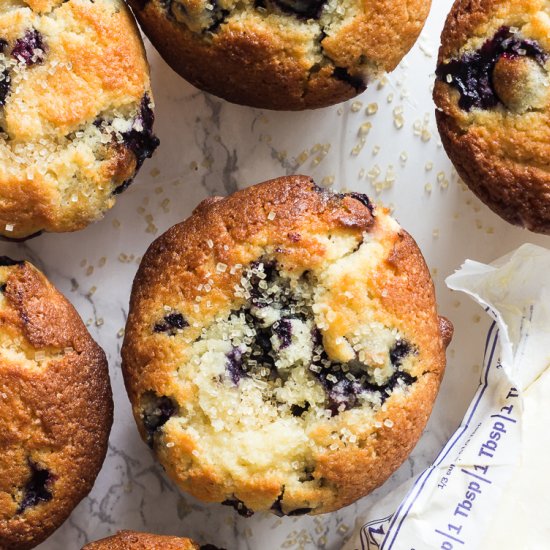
133 540
55 407
282 54
492 95
75 112
283 349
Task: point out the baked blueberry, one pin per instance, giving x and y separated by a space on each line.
171 323
141 139
361 197
472 73
37 488
30 48
283 330
5 261
277 508
358 83
4 76
299 410
307 361
157 411
234 365
239 507
304 9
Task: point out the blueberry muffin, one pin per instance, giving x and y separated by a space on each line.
282 54
132 540
76 112
55 407
283 349
493 105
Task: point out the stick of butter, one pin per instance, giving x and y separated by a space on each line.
488 489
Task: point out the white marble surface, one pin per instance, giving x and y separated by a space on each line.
212 147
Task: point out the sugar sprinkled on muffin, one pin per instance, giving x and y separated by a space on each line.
76 113
283 349
133 540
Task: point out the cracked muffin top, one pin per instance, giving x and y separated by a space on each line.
283 349
132 540
75 112
282 54
493 95
55 407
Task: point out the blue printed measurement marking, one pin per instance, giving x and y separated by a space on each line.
389 541
479 476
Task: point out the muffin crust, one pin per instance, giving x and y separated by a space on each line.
75 112
55 406
283 349
497 132
282 54
132 540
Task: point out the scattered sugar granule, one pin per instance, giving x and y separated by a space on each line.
372 108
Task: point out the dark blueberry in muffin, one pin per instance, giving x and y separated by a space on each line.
7 262
158 411
300 512
283 329
399 351
123 186
340 73
142 142
218 16
277 509
341 394
239 506
140 139
472 74
4 86
263 341
303 9
270 271
317 337
363 199
37 488
396 378
234 366
261 354
344 388
209 547
307 475
171 323
29 49
298 410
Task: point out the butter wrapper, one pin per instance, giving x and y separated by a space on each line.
488 488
